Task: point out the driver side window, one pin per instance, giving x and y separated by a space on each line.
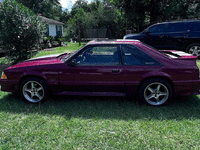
98 56
157 28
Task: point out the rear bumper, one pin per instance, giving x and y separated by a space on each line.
188 87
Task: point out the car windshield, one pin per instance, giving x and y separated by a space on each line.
65 57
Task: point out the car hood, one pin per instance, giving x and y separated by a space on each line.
132 36
45 60
45 57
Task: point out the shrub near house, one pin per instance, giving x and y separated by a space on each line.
19 34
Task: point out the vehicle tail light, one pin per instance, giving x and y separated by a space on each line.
3 76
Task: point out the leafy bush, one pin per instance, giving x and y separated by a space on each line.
49 38
20 30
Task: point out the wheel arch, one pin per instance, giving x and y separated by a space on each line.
42 84
156 77
32 76
190 43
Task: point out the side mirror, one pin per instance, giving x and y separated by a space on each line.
147 32
72 63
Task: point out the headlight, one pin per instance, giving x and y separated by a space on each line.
3 76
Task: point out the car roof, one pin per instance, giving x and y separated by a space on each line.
178 21
114 41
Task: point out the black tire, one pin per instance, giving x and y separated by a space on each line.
33 90
193 49
155 92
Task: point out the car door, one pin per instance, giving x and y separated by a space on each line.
96 68
155 36
176 35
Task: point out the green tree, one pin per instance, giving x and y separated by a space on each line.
48 8
79 4
180 9
104 14
65 16
133 12
75 25
20 30
95 15
139 14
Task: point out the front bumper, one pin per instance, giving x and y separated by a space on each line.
9 85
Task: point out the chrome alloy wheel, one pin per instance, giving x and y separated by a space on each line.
33 91
156 93
195 50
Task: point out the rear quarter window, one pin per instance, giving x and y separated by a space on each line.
176 27
133 56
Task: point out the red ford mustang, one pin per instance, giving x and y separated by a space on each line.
117 67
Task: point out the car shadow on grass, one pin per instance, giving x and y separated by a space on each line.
104 107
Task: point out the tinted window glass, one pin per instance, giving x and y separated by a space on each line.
157 28
176 27
132 55
98 56
194 26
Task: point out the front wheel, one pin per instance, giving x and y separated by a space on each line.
155 92
33 90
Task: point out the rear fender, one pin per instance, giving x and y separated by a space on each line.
133 90
156 74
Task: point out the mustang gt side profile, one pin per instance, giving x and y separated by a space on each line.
108 68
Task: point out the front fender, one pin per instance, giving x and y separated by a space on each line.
51 78
33 73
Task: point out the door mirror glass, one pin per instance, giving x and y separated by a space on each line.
72 63
147 32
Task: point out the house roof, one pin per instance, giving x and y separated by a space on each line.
50 21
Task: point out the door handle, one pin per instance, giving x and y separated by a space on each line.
116 71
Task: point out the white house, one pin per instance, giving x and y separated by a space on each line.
55 28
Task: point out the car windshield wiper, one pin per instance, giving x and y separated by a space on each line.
67 57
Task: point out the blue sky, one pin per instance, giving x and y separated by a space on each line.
67 4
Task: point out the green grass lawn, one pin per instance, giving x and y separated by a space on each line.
69 48
75 122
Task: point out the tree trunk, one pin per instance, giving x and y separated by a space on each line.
79 34
154 11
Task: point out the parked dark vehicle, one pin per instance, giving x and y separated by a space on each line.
178 35
108 68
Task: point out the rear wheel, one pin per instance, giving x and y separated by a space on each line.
33 90
194 49
155 92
